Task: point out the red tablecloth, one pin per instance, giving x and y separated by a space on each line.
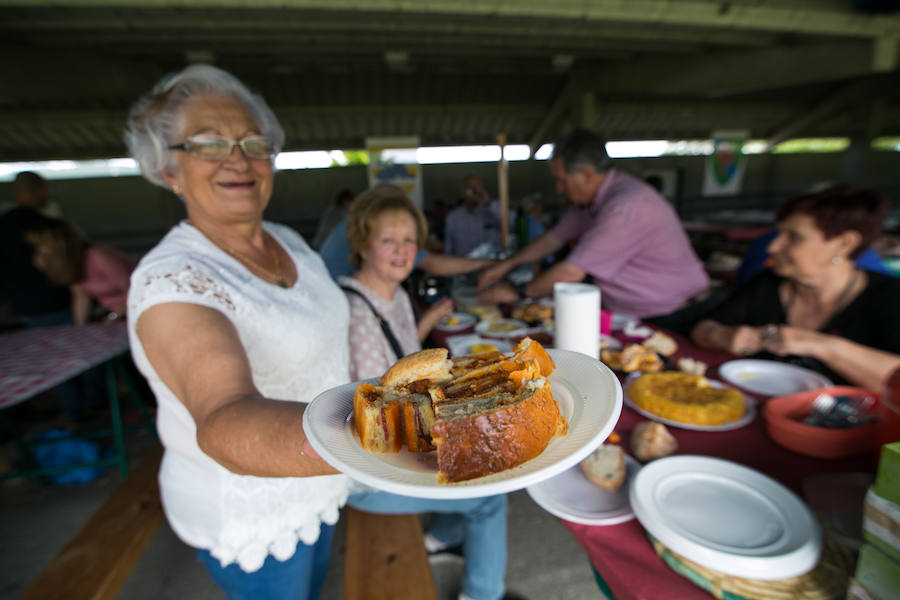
622 553
33 360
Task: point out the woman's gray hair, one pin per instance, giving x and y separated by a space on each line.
150 129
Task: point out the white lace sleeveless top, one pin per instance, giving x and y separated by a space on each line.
296 342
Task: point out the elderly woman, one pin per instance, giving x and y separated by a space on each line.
232 321
385 230
815 307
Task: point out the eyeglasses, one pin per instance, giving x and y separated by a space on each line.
216 147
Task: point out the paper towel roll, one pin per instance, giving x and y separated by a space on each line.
577 308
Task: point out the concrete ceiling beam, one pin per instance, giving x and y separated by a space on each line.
727 74
783 17
75 76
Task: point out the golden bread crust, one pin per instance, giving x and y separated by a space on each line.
377 420
427 364
528 349
494 441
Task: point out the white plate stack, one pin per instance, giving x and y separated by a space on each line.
726 517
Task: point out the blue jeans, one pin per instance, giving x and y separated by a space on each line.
298 578
478 523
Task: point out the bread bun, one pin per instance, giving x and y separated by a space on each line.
606 467
431 364
691 366
651 440
661 344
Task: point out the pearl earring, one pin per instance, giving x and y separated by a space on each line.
836 260
176 190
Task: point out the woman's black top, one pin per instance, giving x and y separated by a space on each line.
871 319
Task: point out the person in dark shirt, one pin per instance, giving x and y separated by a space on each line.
35 301
816 307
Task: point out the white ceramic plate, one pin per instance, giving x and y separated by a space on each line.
573 497
464 321
589 397
502 328
749 412
462 344
726 517
771 378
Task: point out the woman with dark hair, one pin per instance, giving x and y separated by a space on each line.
815 307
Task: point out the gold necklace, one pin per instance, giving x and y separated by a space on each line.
249 262
840 302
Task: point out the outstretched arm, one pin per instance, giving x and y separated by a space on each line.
209 372
741 339
447 264
533 252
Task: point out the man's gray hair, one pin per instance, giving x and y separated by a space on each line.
582 148
152 120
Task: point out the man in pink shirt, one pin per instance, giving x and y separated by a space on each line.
627 238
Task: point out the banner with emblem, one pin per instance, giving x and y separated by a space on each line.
724 172
393 160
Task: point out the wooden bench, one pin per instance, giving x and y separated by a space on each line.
385 558
97 561
385 554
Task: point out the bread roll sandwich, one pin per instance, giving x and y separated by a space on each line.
483 413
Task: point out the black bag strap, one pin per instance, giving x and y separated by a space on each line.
384 324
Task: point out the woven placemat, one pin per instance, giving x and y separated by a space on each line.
827 581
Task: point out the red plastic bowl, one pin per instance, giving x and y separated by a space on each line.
783 422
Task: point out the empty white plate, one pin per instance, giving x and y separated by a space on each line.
726 517
770 377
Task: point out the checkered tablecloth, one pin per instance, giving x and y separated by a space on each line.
34 360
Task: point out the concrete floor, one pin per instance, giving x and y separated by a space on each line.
37 520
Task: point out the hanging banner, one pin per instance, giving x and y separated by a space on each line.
393 160
724 172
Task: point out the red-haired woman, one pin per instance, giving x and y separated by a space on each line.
815 307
